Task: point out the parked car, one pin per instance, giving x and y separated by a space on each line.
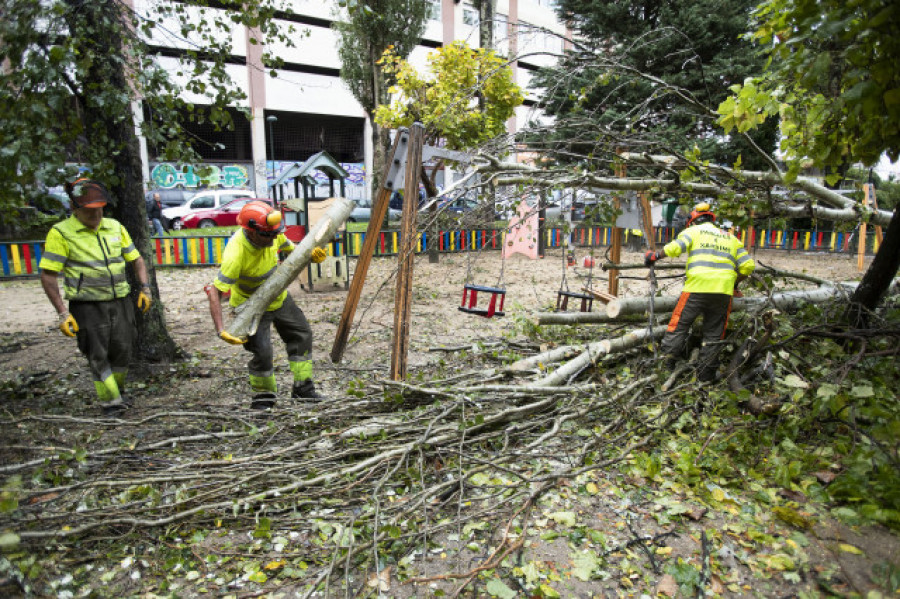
223 216
468 206
54 203
362 212
206 199
169 198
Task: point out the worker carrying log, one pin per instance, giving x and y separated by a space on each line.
716 264
250 257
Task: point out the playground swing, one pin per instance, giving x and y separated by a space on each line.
471 291
564 294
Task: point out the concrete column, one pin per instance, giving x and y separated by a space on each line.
368 158
138 111
256 77
258 142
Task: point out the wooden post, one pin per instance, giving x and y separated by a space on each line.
406 254
647 217
379 211
869 191
615 254
861 246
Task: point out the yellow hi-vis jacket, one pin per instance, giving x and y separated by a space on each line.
715 258
245 267
92 262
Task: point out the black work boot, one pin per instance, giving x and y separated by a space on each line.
708 374
262 401
305 390
115 407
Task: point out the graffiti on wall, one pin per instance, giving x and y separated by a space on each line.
166 175
355 181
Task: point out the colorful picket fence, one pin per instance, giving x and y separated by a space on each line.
21 258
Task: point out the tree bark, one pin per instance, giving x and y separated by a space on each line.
878 277
249 312
597 350
152 342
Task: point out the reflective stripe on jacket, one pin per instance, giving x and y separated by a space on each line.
245 267
92 262
715 258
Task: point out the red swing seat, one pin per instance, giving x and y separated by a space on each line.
469 303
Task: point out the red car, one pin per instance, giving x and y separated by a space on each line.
223 216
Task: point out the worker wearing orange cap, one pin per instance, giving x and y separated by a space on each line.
716 263
250 257
91 253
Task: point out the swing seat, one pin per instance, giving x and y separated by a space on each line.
562 300
469 303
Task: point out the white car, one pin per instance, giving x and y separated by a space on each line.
209 198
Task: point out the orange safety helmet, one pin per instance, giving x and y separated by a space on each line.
702 211
259 216
87 193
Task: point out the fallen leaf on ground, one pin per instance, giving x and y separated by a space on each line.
667 586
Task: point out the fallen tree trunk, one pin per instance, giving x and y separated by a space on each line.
597 350
249 313
631 306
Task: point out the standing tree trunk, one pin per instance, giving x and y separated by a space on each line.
878 277
152 343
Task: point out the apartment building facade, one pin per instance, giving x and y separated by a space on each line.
306 108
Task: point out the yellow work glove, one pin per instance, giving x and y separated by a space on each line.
318 255
232 339
144 299
67 324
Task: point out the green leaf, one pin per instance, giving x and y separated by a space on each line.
259 577
585 564
8 539
795 382
564 518
545 590
862 391
531 573
497 588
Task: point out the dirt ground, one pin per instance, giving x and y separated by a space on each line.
28 322
33 349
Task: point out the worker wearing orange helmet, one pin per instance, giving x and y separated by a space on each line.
250 257
716 263
91 252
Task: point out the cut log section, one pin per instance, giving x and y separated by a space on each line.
249 313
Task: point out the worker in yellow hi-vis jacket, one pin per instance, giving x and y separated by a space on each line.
91 252
250 258
716 264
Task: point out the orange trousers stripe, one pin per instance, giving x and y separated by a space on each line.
676 314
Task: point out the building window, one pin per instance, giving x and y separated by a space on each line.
470 16
434 10
501 28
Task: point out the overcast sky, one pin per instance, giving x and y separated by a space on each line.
886 168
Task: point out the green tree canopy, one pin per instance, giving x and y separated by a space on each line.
370 28
831 80
446 98
629 53
73 69
72 74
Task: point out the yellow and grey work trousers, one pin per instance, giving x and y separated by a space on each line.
292 327
105 336
715 309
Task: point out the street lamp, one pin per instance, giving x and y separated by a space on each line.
271 119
